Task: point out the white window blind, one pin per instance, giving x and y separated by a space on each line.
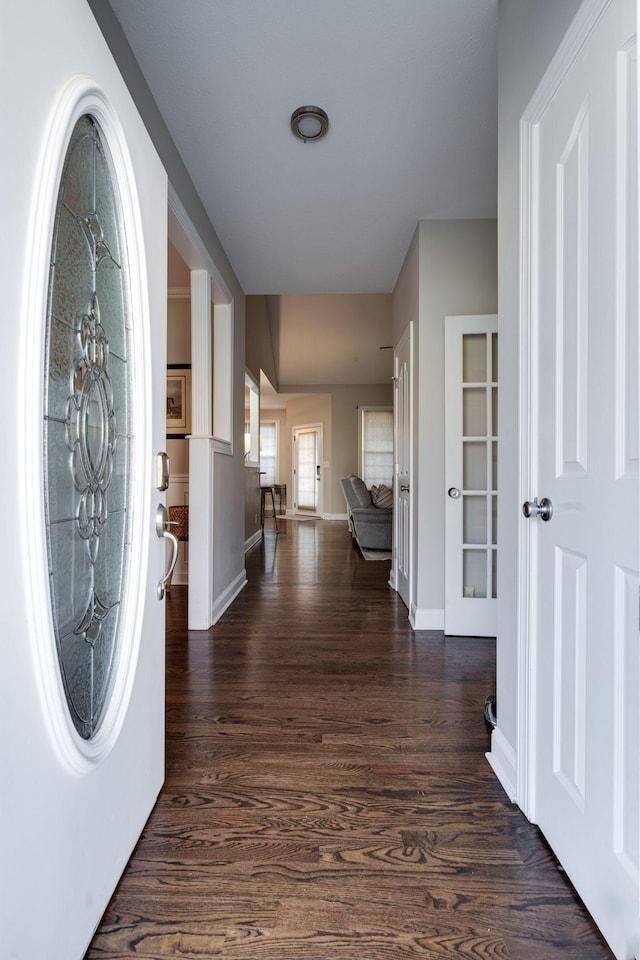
376 453
268 453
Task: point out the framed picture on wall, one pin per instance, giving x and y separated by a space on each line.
178 400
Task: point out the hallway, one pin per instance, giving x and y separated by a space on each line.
327 795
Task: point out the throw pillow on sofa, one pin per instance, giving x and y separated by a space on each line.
382 496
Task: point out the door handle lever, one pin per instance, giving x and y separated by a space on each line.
162 530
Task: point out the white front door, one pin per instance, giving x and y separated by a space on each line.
471 472
582 499
307 469
82 652
402 472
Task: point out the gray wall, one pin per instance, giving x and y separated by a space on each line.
259 353
449 270
458 276
405 308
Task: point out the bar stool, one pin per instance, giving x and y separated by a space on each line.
264 493
280 490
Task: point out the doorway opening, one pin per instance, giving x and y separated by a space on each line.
307 469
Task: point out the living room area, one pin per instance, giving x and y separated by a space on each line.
321 367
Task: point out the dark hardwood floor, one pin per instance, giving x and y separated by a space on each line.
327 795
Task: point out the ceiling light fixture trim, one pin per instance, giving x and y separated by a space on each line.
309 123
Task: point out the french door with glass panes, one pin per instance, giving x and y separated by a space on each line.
307 469
471 475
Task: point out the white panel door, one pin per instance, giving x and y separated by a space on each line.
584 558
82 749
471 476
402 478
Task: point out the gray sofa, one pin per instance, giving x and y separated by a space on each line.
371 526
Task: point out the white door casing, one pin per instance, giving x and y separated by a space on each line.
307 469
401 567
71 810
471 465
580 683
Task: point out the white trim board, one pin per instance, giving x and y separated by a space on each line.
252 540
426 619
226 598
502 759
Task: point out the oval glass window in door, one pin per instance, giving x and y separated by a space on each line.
87 425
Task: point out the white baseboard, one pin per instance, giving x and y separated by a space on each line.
253 539
502 760
392 579
227 597
335 516
426 619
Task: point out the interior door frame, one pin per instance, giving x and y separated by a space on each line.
211 436
307 428
570 49
406 340
455 329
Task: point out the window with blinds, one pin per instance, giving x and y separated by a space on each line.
376 445
268 453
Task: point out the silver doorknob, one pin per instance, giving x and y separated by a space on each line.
453 492
543 509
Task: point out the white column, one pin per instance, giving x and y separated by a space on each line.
200 533
201 374
200 457
223 371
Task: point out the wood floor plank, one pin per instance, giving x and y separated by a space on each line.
327 795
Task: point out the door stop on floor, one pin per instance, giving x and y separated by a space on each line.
490 713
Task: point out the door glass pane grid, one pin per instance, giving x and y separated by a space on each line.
474 411
494 574
474 574
474 465
474 358
494 465
480 464
474 522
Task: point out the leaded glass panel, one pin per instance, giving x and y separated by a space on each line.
87 431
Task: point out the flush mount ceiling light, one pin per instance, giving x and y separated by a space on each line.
309 123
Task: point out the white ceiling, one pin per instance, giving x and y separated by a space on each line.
410 87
